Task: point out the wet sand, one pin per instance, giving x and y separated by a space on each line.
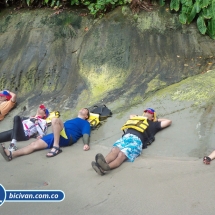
168 178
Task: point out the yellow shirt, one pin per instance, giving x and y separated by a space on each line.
5 107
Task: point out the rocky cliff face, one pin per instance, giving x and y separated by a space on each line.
69 60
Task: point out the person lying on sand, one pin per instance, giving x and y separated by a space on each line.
64 134
25 129
131 144
7 102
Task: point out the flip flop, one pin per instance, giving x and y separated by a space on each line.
206 160
54 153
97 168
4 154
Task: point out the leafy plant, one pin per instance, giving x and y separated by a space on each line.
203 11
99 7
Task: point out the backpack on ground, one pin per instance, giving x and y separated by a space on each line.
53 114
94 121
98 114
103 111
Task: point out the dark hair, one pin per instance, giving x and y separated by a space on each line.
88 114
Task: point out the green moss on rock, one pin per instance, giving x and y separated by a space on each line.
155 84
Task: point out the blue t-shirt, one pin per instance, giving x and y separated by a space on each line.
76 128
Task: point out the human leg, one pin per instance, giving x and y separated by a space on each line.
17 133
100 166
113 160
112 155
34 146
128 147
57 127
118 161
5 136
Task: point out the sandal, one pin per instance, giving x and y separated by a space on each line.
99 155
100 160
55 152
4 154
97 168
206 160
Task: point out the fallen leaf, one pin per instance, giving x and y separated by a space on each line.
83 14
185 64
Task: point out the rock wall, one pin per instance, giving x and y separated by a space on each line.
69 60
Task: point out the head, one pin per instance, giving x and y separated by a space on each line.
5 96
84 113
42 111
150 114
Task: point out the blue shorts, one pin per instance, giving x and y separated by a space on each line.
49 140
130 145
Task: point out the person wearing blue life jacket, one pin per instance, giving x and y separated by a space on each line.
64 134
133 141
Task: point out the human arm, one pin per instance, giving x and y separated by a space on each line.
41 127
86 141
132 115
86 135
165 122
6 108
13 96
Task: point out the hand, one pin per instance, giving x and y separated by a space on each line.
132 115
86 147
39 137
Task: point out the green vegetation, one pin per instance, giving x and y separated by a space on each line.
201 11
100 6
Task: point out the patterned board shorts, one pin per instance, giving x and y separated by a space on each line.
130 145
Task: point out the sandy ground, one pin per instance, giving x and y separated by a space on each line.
168 178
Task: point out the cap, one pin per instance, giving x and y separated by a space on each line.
6 94
47 112
43 107
150 110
